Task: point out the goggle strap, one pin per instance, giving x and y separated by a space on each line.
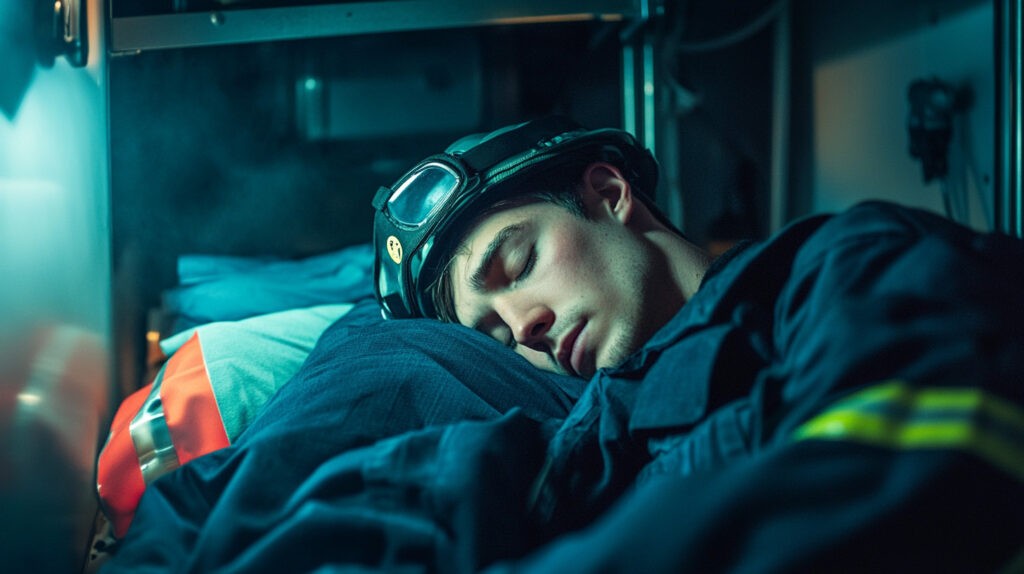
486 154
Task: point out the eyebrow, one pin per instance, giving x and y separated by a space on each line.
479 278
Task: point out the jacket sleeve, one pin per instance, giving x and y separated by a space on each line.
882 295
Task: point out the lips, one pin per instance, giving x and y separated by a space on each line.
571 351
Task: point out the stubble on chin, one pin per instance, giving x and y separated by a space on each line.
618 350
657 303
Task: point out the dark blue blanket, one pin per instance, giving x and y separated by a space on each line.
305 486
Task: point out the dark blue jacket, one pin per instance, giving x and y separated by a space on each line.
844 397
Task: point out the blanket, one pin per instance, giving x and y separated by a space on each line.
316 481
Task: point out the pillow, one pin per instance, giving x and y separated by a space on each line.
208 392
209 285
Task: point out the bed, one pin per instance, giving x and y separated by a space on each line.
269 370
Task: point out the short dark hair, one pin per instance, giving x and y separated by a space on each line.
560 186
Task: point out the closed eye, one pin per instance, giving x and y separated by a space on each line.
524 273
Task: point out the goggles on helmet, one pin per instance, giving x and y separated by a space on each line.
415 216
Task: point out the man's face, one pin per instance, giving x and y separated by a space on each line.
571 295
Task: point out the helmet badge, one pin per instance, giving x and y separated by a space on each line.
395 249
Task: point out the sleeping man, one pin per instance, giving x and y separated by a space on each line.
846 396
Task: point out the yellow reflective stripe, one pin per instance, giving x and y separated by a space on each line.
896 415
896 393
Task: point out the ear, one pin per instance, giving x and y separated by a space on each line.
608 192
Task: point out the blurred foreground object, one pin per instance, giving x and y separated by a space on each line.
52 403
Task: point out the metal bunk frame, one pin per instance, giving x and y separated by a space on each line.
129 35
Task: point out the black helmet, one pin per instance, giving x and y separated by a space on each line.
416 215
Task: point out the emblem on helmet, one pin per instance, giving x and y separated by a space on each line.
395 249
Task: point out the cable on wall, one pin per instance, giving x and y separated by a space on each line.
740 34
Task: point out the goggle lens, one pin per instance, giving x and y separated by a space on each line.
422 193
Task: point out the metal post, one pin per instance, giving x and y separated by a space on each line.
642 114
779 206
1008 189
638 77
629 122
647 112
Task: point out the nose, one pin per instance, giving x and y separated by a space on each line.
529 323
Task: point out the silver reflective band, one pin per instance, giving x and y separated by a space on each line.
422 193
152 437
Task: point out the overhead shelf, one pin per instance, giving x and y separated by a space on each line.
237 26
